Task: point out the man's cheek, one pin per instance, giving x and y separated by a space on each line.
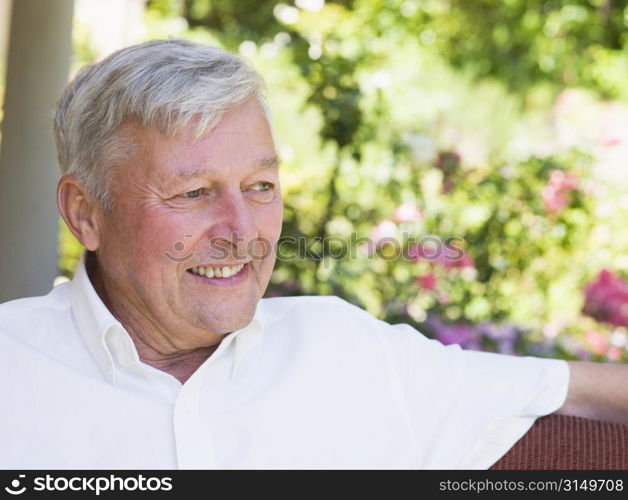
179 250
256 250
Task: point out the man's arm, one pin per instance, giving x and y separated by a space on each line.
598 391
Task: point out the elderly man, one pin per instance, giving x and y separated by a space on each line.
161 353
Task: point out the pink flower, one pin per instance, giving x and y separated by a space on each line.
383 232
554 201
428 281
408 212
554 194
426 250
454 258
569 99
414 252
614 354
446 256
606 299
563 180
466 261
444 298
596 341
613 125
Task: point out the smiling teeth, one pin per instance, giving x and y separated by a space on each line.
217 272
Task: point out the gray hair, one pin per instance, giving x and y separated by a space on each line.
167 85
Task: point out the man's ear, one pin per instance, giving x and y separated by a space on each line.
80 211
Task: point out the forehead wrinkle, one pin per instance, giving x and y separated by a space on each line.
196 172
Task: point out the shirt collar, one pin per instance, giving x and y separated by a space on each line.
247 338
97 327
93 319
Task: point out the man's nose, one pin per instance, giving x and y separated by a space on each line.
235 228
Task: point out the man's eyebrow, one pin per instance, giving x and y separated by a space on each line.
271 162
262 164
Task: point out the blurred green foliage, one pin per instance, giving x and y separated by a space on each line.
449 105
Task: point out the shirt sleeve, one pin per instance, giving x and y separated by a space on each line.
469 408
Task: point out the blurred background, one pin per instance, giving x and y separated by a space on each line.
500 125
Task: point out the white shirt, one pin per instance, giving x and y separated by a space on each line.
311 382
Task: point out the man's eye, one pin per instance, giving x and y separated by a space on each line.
263 186
193 194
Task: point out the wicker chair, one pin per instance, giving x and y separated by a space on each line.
558 442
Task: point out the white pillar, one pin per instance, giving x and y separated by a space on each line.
40 48
5 17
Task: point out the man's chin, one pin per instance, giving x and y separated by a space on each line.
223 314
229 324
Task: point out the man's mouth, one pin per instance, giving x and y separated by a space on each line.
216 271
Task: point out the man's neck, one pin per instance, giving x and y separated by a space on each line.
181 364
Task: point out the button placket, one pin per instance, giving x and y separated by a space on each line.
193 439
